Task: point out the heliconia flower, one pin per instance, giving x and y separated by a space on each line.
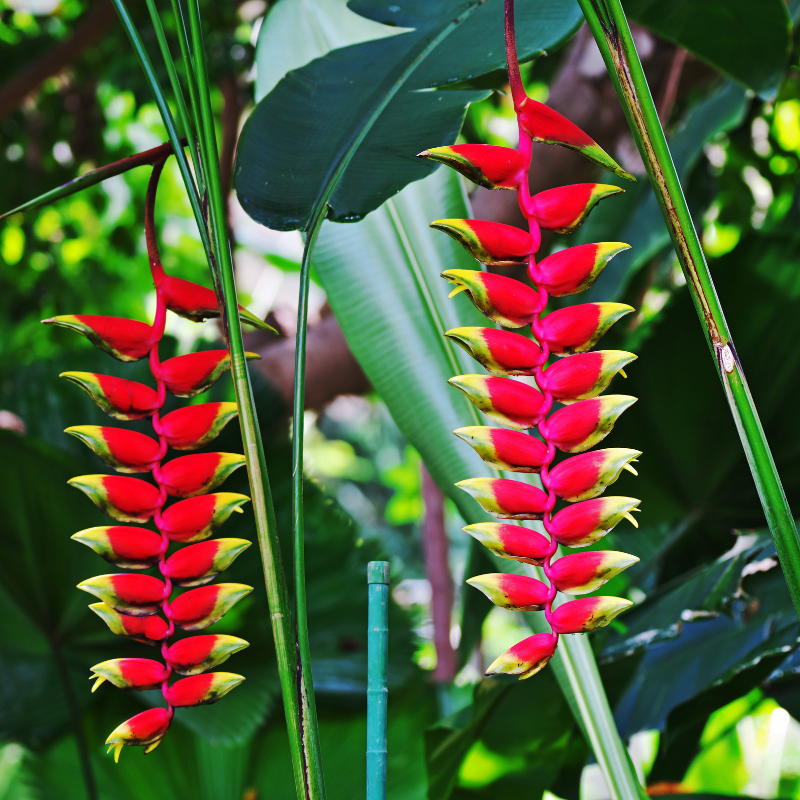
502 400
506 301
580 426
583 376
526 658
199 608
543 124
201 563
503 449
576 329
145 729
511 541
512 591
587 613
148 630
505 498
584 572
136 595
489 242
198 303
484 164
125 451
575 269
123 499
197 518
196 654
586 476
125 547
186 376
125 339
499 352
118 397
585 523
202 690
194 426
188 476
130 673
565 208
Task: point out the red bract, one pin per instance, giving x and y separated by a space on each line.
508 402
489 242
134 605
511 541
502 449
575 269
499 352
576 329
512 591
485 164
565 208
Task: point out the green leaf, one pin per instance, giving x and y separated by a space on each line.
376 99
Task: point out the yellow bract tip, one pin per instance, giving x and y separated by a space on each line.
455 291
239 510
622 372
630 519
99 680
630 469
117 748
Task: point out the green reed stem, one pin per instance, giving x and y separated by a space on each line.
377 678
610 29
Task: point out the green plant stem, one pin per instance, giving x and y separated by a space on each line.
622 61
377 678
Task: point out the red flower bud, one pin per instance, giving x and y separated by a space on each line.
506 301
199 608
121 398
201 563
130 673
585 476
485 164
505 498
202 690
565 208
511 541
188 476
499 352
502 449
136 595
148 630
145 729
123 499
526 658
197 518
585 523
194 426
582 425
584 572
125 451
583 376
125 547
576 329
196 654
186 376
489 242
512 591
587 614
502 400
575 269
125 339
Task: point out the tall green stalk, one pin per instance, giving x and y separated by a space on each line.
610 29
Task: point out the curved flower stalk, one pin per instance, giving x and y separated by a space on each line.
138 606
576 378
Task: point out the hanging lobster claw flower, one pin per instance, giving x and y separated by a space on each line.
587 614
123 499
502 449
585 523
201 563
194 426
198 303
506 301
199 608
498 352
125 547
576 329
202 690
118 397
502 400
512 591
565 208
511 541
584 572
197 518
130 673
125 339
145 730
147 630
489 242
125 451
543 124
526 658
586 476
136 595
188 476
584 376
186 376
580 426
575 269
196 654
484 164
506 499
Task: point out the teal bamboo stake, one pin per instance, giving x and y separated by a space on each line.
377 670
610 29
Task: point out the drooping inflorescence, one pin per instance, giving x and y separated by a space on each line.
141 607
575 379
